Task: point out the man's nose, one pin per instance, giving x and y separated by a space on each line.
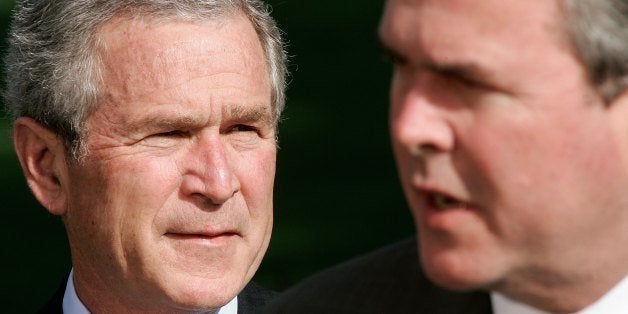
210 171
419 123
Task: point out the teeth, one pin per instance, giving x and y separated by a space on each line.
444 202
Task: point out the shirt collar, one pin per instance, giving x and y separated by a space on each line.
73 305
614 301
230 308
71 302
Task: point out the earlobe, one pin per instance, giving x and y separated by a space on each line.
42 156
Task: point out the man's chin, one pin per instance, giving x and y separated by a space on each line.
203 296
455 275
453 283
192 289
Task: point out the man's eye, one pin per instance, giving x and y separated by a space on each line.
243 128
395 60
165 139
464 81
174 133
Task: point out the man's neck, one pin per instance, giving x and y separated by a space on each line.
614 300
72 304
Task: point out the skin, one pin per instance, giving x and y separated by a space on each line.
491 108
171 210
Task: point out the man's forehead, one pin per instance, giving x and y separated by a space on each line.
179 58
174 43
441 27
487 14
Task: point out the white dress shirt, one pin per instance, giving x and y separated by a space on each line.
614 301
73 305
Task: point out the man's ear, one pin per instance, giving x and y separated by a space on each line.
618 108
42 156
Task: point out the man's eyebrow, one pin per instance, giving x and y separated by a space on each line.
153 123
464 70
258 113
461 70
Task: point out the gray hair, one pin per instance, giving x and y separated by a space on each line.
598 30
52 67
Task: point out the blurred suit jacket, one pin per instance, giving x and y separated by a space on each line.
250 301
386 281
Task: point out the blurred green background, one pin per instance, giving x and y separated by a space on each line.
337 193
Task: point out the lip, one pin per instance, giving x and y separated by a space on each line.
208 238
439 210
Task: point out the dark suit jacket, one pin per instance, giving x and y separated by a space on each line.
386 281
250 301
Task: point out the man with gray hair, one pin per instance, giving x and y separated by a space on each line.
149 127
509 123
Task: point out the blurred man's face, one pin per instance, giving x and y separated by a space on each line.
172 208
514 169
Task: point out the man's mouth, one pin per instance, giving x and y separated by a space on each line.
440 201
192 243
208 236
214 236
445 212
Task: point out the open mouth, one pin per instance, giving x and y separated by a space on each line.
440 201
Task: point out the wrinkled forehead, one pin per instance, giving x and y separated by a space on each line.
149 54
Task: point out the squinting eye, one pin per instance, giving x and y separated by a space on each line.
243 128
395 60
165 139
465 81
175 133
473 84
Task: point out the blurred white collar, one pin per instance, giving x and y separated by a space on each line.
614 301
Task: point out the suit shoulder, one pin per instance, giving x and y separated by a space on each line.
388 280
55 304
395 264
254 297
